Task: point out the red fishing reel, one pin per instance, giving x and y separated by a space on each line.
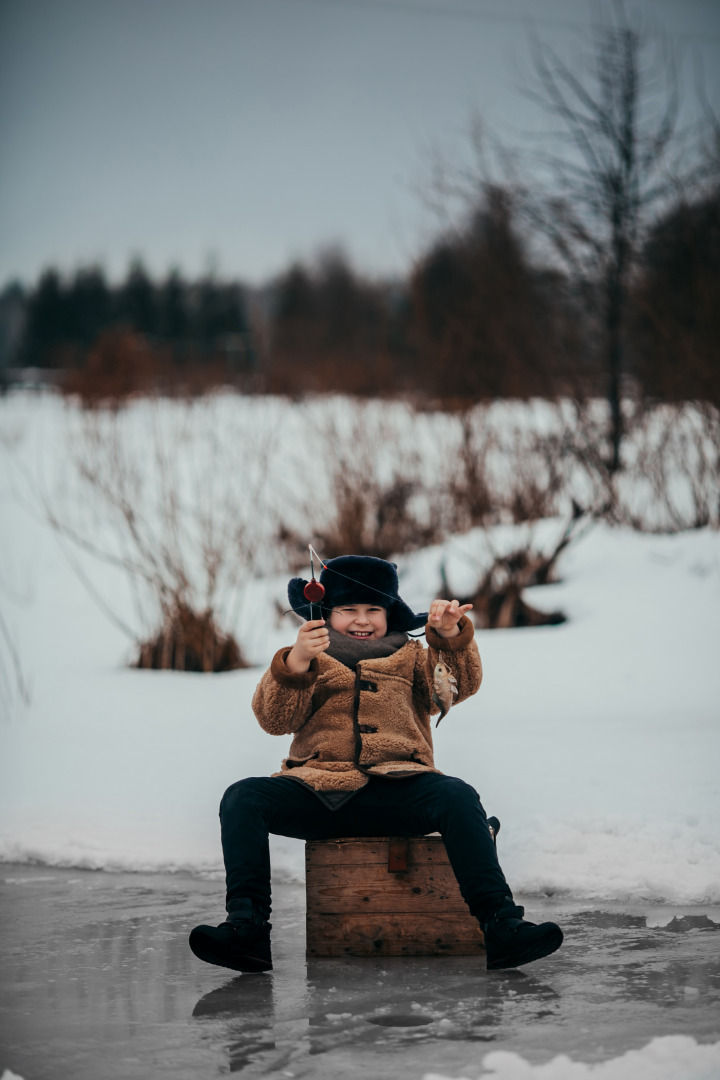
314 591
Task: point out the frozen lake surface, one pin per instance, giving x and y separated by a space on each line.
98 981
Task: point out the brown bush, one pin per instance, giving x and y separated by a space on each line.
189 641
375 519
163 513
371 496
498 603
528 485
123 365
120 365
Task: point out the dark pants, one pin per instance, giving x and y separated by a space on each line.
429 802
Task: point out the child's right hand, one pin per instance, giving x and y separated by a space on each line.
313 638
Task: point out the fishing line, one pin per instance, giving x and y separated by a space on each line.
332 570
314 590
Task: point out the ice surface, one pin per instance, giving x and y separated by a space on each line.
669 1057
109 988
596 743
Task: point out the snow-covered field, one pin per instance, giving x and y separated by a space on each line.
595 742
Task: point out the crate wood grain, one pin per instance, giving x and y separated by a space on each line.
386 896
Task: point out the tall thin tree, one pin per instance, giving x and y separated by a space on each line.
618 164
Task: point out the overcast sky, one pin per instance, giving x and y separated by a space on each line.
246 133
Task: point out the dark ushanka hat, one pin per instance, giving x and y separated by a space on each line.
359 579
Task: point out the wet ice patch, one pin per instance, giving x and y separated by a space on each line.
27 881
685 924
413 1019
666 1058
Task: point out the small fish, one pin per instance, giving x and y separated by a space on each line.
444 689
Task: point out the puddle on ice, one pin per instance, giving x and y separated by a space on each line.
400 1020
686 923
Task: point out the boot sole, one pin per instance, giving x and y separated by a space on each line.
550 943
212 953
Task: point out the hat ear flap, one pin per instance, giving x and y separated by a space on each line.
403 618
297 599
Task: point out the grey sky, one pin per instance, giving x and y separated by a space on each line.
253 131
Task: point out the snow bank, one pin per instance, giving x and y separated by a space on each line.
596 742
670 1057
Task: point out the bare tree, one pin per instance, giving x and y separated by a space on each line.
618 166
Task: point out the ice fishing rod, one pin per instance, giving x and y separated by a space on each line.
314 591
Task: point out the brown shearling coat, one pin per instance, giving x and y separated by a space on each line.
350 725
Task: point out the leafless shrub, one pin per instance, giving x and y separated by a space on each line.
179 511
369 495
498 602
14 684
538 483
669 476
672 479
469 484
509 474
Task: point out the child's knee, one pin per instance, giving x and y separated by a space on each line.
458 792
241 793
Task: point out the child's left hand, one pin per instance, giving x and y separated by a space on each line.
445 615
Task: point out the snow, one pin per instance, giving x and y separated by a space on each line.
669 1057
596 742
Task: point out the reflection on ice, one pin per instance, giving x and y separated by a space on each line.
319 1007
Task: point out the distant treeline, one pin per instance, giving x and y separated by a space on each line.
476 318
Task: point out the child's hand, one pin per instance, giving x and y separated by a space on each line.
312 639
445 615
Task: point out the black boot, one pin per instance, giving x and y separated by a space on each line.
241 943
510 941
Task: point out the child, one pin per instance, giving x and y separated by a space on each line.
355 692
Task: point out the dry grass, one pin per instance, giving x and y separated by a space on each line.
189 641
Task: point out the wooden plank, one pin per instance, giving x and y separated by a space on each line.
393 935
397 856
377 874
351 889
373 850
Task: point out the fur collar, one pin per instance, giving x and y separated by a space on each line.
349 650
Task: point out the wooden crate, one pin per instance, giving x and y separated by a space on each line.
386 896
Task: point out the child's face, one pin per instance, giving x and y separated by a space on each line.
360 621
